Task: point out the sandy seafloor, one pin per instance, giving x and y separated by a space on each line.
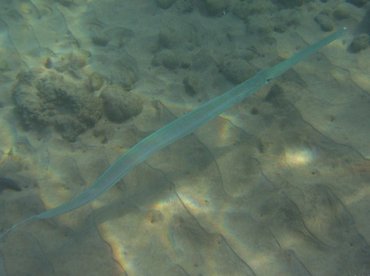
277 185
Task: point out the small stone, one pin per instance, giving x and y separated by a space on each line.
120 105
359 43
126 72
96 81
166 58
236 70
324 22
101 41
10 184
341 12
192 84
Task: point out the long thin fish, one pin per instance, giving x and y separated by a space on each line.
175 130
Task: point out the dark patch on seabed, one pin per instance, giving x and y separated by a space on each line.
8 184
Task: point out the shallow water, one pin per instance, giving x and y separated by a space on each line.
277 185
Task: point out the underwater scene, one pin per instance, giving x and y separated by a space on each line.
184 137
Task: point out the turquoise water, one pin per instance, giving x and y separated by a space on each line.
276 185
